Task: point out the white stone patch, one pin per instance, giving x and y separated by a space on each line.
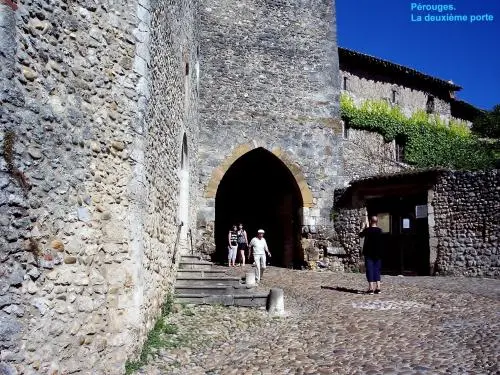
389 305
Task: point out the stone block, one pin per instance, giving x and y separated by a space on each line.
330 250
276 302
10 328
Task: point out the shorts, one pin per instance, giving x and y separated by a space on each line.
242 246
231 256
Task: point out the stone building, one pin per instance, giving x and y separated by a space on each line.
125 129
364 77
130 131
435 222
367 77
270 136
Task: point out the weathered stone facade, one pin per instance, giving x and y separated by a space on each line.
462 215
119 121
362 87
368 154
96 99
464 223
269 81
365 77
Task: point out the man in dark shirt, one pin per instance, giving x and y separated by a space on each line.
372 251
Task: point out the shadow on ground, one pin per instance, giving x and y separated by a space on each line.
342 289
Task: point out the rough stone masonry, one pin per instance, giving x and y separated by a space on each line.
270 81
99 138
96 98
118 122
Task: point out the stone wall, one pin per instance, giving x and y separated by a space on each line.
89 176
172 115
463 219
269 79
362 86
368 154
465 224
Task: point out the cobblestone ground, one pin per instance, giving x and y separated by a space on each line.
418 325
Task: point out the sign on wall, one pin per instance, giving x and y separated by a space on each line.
421 211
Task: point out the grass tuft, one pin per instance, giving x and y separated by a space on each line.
156 339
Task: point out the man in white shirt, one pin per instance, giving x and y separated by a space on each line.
258 247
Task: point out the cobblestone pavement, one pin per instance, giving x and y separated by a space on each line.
418 325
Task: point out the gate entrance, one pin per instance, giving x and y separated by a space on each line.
259 191
406 237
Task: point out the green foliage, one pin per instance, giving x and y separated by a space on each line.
488 124
430 141
156 338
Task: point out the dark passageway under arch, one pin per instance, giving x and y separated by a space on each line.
259 191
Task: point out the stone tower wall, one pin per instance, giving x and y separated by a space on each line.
269 78
88 176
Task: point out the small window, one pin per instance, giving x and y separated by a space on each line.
384 222
346 131
430 104
344 85
400 149
187 68
394 96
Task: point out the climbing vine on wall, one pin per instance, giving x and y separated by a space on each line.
429 140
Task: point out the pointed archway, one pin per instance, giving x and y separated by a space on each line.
259 191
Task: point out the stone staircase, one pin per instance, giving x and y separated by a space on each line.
199 283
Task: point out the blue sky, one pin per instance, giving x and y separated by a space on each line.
467 53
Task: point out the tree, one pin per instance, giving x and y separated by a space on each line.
488 124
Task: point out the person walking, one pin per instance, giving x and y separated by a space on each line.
232 246
372 251
259 249
242 243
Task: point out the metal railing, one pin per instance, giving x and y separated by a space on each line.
176 246
190 234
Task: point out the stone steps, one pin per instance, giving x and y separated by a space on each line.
200 273
183 281
198 283
191 258
243 300
195 265
211 289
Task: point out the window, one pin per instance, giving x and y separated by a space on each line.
430 104
399 149
384 222
394 96
346 131
344 85
187 68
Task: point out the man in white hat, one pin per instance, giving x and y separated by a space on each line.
258 247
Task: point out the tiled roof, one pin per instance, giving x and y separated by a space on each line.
394 177
350 58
